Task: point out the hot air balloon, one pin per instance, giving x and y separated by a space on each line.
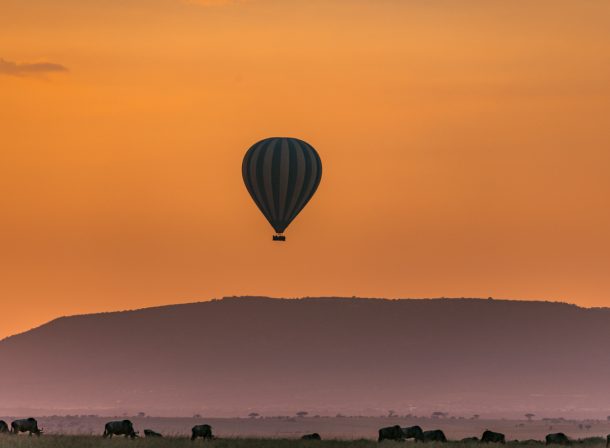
281 174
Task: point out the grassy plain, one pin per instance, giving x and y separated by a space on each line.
56 441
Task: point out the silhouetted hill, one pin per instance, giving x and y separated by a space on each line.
319 354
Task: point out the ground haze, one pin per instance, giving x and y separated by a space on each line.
343 428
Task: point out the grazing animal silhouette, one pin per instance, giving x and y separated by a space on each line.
608 441
413 432
490 436
435 435
391 433
26 425
119 428
203 431
151 433
557 438
314 436
3 427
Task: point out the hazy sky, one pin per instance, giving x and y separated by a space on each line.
466 149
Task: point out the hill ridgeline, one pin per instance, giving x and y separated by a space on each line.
322 355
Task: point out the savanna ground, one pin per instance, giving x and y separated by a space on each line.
56 441
343 432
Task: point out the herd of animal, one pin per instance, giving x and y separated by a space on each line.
396 433
24 425
125 428
115 428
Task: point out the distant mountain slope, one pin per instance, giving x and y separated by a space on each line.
319 354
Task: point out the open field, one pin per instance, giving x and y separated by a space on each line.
342 428
182 442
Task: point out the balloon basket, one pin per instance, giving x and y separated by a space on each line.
279 238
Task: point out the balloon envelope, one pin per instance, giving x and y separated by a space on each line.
281 174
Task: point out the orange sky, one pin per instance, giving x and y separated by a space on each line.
465 145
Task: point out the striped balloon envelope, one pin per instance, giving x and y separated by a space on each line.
281 174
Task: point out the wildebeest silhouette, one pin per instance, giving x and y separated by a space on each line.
435 435
390 433
151 433
314 436
203 431
413 432
119 428
26 425
557 438
490 436
3 427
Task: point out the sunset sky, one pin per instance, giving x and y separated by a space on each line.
466 150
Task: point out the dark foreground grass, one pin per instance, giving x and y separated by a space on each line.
54 441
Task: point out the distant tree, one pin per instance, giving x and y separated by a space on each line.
529 417
391 413
475 417
253 414
141 414
587 427
439 414
197 416
608 418
302 414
